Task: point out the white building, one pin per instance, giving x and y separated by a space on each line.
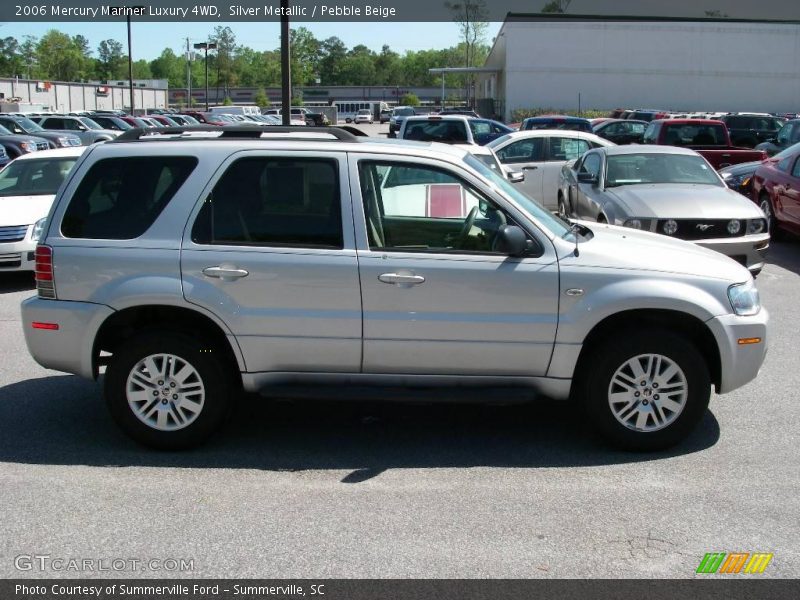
681 65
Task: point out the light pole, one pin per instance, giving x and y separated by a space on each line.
130 67
206 46
286 66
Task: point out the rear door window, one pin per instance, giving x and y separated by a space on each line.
120 198
523 151
274 201
566 148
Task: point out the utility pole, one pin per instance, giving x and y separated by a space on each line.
130 67
188 76
286 66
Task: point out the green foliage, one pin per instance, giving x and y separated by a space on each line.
556 6
297 101
409 100
524 113
111 62
226 101
261 99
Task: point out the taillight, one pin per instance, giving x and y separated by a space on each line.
45 285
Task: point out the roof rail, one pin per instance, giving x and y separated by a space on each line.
235 132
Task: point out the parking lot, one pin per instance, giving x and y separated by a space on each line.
311 489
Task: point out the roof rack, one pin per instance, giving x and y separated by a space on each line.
236 132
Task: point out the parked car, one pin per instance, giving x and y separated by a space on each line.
556 122
386 116
740 177
788 135
163 120
749 130
183 120
466 112
115 122
85 128
666 190
364 116
621 131
206 118
4 158
452 129
540 154
25 127
708 136
19 145
292 272
776 189
399 113
295 118
27 188
647 114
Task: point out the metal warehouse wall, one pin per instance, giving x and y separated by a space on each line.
681 66
81 96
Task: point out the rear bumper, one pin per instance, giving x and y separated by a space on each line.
749 251
740 363
71 347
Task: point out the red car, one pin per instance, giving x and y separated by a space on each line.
708 137
776 189
206 118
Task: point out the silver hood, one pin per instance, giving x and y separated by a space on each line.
631 249
682 201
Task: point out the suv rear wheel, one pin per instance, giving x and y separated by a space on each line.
647 390
167 391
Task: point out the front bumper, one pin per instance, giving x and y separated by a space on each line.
749 250
739 363
18 256
70 348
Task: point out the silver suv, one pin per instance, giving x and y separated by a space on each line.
194 263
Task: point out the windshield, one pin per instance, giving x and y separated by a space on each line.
4 131
629 169
34 177
364 112
28 125
403 112
89 123
542 215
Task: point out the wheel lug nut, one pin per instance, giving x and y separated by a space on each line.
643 383
155 392
655 385
655 397
172 384
164 401
636 394
174 396
161 382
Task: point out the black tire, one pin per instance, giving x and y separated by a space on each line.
775 231
213 373
611 355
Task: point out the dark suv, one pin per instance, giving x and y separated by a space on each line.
749 130
788 135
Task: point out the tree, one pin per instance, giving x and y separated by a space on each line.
59 57
471 17
261 99
141 69
9 57
226 101
333 53
409 99
111 60
169 66
305 56
224 59
556 6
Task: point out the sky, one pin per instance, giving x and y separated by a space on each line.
149 39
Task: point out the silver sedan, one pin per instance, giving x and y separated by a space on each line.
671 191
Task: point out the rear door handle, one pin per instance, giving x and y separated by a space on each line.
225 272
401 279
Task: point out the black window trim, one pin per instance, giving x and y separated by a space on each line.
269 245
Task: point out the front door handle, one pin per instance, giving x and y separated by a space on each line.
530 168
224 272
401 279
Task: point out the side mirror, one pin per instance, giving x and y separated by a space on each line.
587 178
516 176
511 240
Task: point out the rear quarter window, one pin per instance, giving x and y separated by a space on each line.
120 198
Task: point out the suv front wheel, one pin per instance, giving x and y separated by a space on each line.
167 391
646 389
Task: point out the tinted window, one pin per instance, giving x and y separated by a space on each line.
564 148
54 123
528 150
591 165
12 126
120 198
694 135
273 201
452 132
650 134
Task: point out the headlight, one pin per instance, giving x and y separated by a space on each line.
633 223
28 146
64 141
734 227
756 226
38 229
744 298
670 227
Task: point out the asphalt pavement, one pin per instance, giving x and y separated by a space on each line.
314 489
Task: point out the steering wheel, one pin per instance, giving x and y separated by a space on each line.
464 233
